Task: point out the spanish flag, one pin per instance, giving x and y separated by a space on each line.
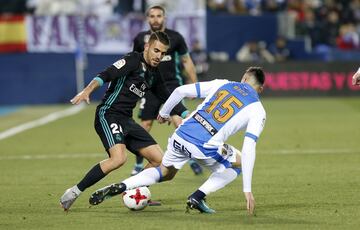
12 33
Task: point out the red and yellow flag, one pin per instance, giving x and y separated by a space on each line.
12 33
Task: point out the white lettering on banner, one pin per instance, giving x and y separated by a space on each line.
109 34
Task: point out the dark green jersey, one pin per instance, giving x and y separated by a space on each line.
170 64
130 78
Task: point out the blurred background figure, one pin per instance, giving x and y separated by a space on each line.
348 38
280 50
200 58
254 51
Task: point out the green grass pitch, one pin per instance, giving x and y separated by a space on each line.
306 176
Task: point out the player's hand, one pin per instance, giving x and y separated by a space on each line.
82 96
250 203
162 120
356 79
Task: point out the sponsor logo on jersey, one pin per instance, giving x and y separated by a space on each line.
119 63
137 91
205 124
166 58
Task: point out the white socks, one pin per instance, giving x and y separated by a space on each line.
217 181
146 177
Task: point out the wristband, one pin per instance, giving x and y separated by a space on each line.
99 80
183 114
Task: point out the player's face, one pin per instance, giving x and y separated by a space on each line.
154 52
156 19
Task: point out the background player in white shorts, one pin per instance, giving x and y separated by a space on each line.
228 108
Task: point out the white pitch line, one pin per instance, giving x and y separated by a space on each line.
46 157
96 155
41 121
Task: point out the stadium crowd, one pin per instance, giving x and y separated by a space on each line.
327 24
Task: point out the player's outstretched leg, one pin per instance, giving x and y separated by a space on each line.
69 197
107 192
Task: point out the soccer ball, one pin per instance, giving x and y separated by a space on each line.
137 198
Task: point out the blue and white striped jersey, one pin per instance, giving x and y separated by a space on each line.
228 107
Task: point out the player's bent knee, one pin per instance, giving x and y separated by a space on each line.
155 163
147 124
117 162
168 173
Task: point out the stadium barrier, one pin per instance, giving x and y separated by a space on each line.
50 78
296 78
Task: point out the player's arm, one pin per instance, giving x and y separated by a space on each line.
199 89
356 78
162 92
189 67
252 134
186 60
84 95
117 70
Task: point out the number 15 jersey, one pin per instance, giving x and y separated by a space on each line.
228 108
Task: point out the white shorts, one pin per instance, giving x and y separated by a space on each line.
179 151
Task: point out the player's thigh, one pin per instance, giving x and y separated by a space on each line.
212 159
174 155
149 107
109 130
140 142
153 153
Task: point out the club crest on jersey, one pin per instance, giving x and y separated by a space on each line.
119 63
139 92
146 38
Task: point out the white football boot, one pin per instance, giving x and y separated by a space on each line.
69 197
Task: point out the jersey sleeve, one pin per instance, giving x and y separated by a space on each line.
253 131
138 45
199 89
120 68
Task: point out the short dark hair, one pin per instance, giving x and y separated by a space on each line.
155 7
161 37
258 73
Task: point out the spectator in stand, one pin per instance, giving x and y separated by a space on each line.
279 50
330 29
273 6
254 51
217 5
55 7
13 7
348 38
309 27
